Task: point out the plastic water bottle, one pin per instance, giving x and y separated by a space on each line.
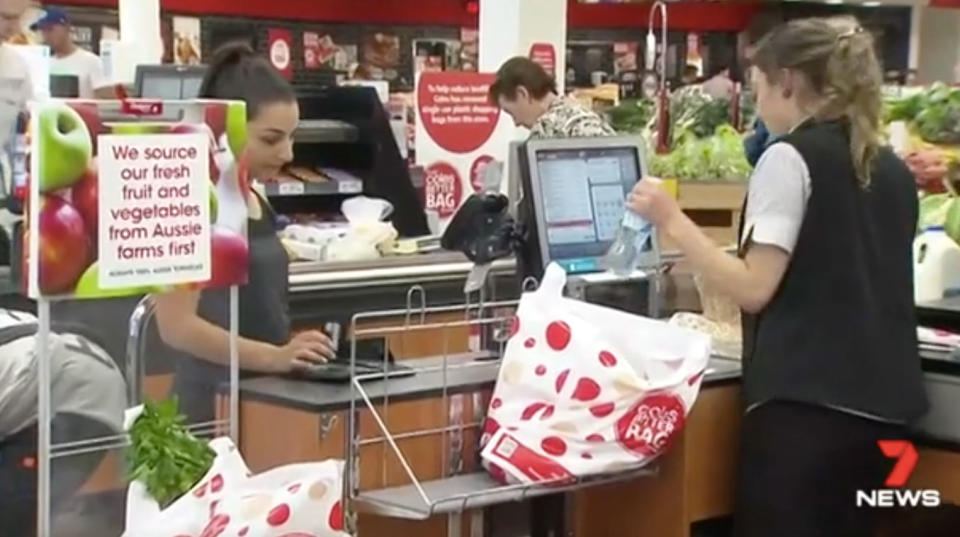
632 237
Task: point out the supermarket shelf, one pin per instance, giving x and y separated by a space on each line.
469 491
318 131
301 188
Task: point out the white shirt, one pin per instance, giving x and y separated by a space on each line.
15 90
83 64
777 198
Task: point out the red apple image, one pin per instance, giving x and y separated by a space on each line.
65 249
189 128
230 257
229 119
85 198
91 118
215 115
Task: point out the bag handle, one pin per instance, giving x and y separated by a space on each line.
554 281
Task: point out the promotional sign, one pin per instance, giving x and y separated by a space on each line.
154 222
280 51
120 205
545 55
454 136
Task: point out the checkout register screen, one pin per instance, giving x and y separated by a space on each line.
583 201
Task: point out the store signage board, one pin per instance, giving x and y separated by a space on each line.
281 51
455 137
545 55
124 203
154 221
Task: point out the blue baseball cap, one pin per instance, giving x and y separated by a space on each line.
53 17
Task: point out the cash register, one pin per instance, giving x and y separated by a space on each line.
569 207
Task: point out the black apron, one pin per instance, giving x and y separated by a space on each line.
263 316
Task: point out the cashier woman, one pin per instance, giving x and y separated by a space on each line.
195 323
824 278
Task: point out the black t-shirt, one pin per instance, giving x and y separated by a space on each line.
263 315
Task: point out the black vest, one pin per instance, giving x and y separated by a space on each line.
841 329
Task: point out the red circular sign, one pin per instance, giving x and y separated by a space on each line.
443 189
476 171
546 56
650 426
455 110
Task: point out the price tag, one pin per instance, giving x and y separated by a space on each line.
290 188
350 187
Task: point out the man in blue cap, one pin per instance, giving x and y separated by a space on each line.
66 57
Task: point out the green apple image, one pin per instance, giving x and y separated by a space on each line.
237 127
88 286
66 147
214 203
137 128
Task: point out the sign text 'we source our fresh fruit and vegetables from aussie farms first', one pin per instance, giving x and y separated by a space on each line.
154 210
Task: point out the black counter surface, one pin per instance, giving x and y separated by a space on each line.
464 374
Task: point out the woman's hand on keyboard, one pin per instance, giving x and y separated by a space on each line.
305 348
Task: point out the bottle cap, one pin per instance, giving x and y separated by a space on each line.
933 228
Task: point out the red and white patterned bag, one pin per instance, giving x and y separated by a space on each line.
297 500
585 389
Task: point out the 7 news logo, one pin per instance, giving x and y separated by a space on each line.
895 495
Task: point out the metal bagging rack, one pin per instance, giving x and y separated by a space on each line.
461 487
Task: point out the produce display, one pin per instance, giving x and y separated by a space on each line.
632 115
932 166
718 157
934 113
704 144
693 110
163 455
64 137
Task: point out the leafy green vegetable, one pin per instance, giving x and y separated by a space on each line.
934 112
632 115
164 455
719 157
933 210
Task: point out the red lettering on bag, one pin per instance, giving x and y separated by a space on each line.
651 425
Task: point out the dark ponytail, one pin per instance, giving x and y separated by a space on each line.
238 73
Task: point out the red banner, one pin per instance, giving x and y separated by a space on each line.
546 56
455 109
280 51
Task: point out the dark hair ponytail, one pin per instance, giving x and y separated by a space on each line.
238 73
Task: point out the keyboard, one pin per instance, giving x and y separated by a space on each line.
369 363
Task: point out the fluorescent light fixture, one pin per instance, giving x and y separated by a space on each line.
834 2
872 3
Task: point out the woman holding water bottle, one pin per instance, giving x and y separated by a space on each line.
824 277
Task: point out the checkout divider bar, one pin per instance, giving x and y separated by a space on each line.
305 277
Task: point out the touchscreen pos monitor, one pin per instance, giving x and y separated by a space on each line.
169 82
573 199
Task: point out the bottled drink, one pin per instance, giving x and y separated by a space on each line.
632 237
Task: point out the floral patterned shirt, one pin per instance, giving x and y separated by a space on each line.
566 118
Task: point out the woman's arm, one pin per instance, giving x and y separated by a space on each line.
751 282
776 206
181 328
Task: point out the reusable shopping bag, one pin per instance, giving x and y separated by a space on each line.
585 389
297 500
